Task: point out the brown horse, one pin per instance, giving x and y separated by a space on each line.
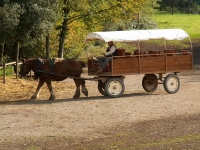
54 70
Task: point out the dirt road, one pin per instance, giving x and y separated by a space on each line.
24 122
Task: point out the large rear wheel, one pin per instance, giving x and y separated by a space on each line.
114 87
171 83
150 82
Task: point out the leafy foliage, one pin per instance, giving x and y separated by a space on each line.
64 21
96 15
27 22
180 6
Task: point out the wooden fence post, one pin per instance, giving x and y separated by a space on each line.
4 73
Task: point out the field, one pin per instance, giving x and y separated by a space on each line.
189 23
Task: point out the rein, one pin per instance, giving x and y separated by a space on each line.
65 64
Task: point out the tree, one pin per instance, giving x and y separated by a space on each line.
31 23
172 6
97 13
9 14
182 6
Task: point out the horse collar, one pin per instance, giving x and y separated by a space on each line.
38 65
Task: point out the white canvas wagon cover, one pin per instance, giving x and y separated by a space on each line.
138 35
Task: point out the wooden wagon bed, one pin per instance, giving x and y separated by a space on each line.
149 63
145 64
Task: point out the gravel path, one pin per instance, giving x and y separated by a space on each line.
70 117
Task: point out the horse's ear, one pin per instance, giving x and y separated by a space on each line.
23 60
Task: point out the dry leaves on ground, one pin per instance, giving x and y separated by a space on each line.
22 89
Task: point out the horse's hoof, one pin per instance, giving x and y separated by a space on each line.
76 96
85 93
52 98
33 97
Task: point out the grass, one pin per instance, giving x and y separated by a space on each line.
188 22
169 142
9 71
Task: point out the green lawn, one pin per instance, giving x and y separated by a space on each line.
188 22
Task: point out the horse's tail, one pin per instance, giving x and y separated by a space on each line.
82 64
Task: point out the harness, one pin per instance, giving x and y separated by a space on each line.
52 63
39 63
38 66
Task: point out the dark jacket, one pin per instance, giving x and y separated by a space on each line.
113 54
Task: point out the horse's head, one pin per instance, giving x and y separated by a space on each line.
25 68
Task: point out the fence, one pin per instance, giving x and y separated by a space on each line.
4 70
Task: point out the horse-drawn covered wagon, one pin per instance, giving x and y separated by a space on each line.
153 63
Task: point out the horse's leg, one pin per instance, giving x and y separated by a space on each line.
52 96
36 94
77 93
84 89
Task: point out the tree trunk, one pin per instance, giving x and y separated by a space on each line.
47 48
172 6
1 53
189 1
61 46
63 31
184 7
163 6
17 57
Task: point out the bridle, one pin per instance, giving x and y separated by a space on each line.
38 65
23 67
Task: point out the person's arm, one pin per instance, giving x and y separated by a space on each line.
112 49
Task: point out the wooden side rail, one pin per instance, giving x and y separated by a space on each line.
120 52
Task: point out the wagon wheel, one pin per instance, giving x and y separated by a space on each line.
114 87
150 82
171 83
101 88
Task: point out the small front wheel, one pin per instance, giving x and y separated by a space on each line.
171 83
114 87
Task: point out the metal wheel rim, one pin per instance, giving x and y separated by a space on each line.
172 83
114 88
150 82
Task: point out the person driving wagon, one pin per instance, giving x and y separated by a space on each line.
103 61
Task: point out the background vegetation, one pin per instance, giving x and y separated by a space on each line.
188 22
57 28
